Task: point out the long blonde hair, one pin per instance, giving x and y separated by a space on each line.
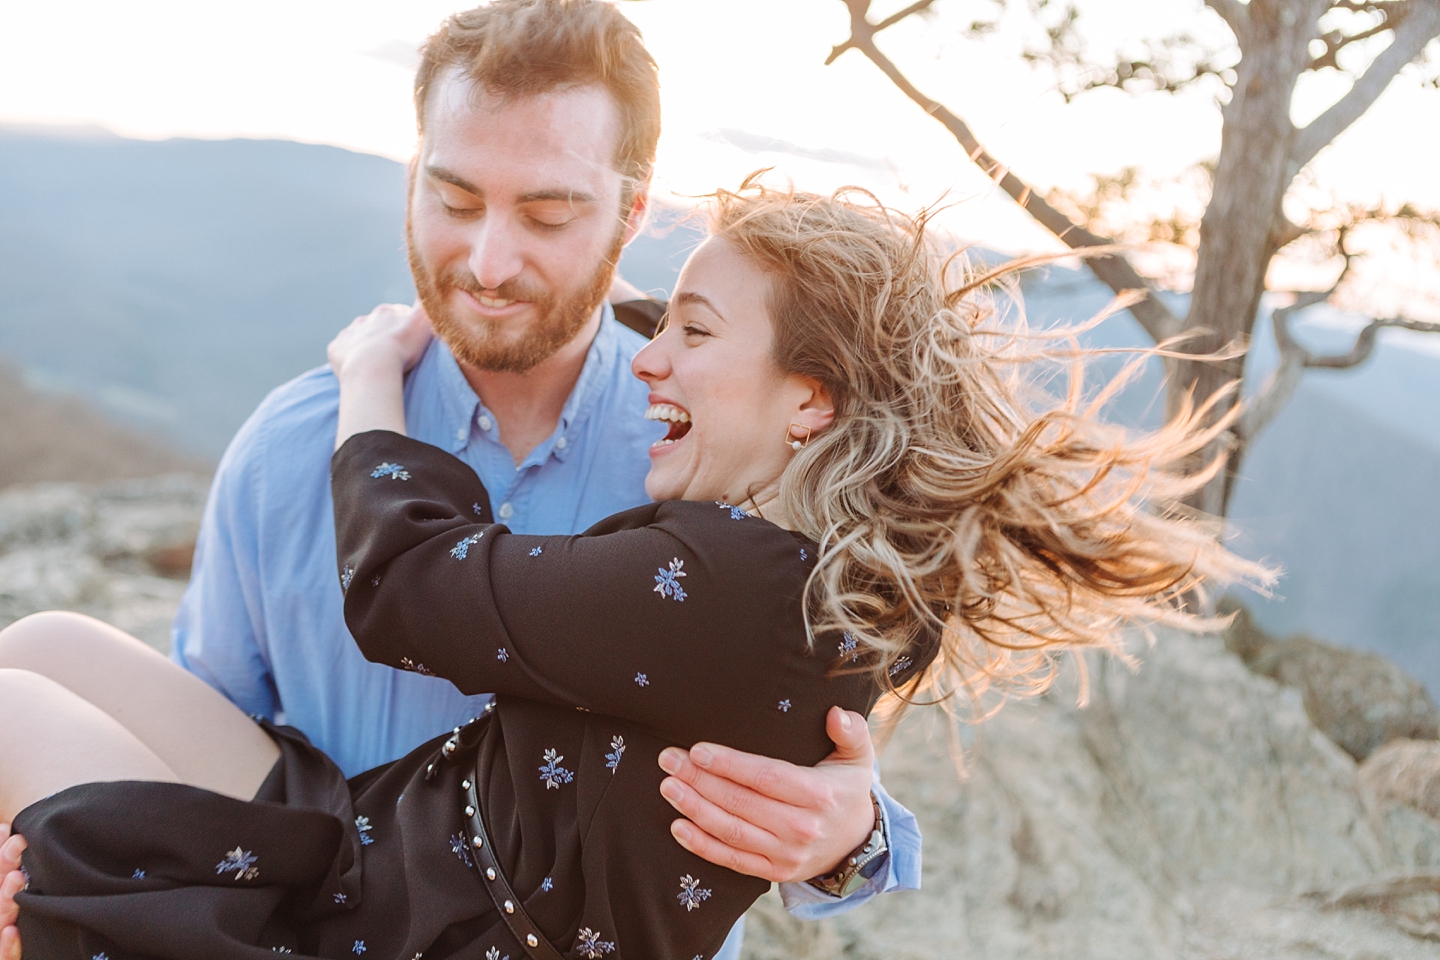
951 497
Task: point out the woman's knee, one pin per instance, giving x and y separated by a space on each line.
24 695
47 643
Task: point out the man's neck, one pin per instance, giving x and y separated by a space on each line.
527 406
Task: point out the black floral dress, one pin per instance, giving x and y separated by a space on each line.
664 625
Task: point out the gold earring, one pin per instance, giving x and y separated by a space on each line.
791 442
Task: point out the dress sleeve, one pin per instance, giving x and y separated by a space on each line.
682 617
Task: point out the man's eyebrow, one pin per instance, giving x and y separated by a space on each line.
557 193
689 297
440 173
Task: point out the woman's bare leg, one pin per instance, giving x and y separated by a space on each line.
194 734
55 739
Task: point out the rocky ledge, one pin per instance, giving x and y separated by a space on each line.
119 550
1192 810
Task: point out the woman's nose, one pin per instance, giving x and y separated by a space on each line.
652 363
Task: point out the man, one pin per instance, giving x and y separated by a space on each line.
538 124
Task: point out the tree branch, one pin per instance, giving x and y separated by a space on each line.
1114 271
1418 27
1295 359
1235 15
889 21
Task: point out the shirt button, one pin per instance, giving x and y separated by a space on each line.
486 423
506 511
560 444
462 434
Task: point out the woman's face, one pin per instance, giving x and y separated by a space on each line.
712 377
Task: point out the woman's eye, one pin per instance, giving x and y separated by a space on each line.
549 226
691 330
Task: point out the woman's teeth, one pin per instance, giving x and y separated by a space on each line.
664 411
492 302
678 419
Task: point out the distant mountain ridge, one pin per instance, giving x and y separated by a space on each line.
174 283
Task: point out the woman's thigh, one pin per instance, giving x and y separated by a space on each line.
194 731
53 739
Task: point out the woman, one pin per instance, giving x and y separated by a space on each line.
852 500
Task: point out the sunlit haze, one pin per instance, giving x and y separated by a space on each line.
744 86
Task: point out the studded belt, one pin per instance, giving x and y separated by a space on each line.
492 878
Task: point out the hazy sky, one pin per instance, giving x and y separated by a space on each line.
737 75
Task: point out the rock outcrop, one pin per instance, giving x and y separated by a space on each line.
119 551
1359 699
1192 811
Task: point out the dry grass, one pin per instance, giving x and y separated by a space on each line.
61 438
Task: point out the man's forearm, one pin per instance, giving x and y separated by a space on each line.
900 869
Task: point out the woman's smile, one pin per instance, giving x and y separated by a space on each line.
678 419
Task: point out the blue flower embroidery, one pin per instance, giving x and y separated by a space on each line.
617 750
591 946
461 849
900 666
391 470
407 664
536 551
476 507
547 884
784 706
359 947
667 582
494 954
239 862
376 581
735 512
100 956
346 576
502 655
642 680
363 825
552 773
461 550
690 895
847 647
803 555
138 874
340 898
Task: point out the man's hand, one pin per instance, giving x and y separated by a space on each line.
12 881
768 818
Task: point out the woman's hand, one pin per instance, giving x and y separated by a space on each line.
12 881
390 337
370 358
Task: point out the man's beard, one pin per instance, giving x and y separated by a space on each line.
480 342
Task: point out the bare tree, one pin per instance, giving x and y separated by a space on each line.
1262 162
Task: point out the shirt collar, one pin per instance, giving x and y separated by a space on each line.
461 404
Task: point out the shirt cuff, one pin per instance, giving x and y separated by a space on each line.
900 868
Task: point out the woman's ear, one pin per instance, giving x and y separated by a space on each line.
817 409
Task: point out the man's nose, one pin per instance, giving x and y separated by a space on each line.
494 253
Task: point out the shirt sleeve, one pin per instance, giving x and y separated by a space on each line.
218 632
681 617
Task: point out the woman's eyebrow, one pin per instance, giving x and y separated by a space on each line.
688 297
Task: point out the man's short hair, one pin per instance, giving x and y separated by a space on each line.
518 48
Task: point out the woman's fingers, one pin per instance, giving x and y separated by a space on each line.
13 883
10 852
10 943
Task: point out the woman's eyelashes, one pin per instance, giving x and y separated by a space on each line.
694 331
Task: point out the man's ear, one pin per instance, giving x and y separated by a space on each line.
639 208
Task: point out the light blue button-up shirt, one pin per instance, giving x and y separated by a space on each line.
262 619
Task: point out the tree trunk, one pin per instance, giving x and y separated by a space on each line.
1237 234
